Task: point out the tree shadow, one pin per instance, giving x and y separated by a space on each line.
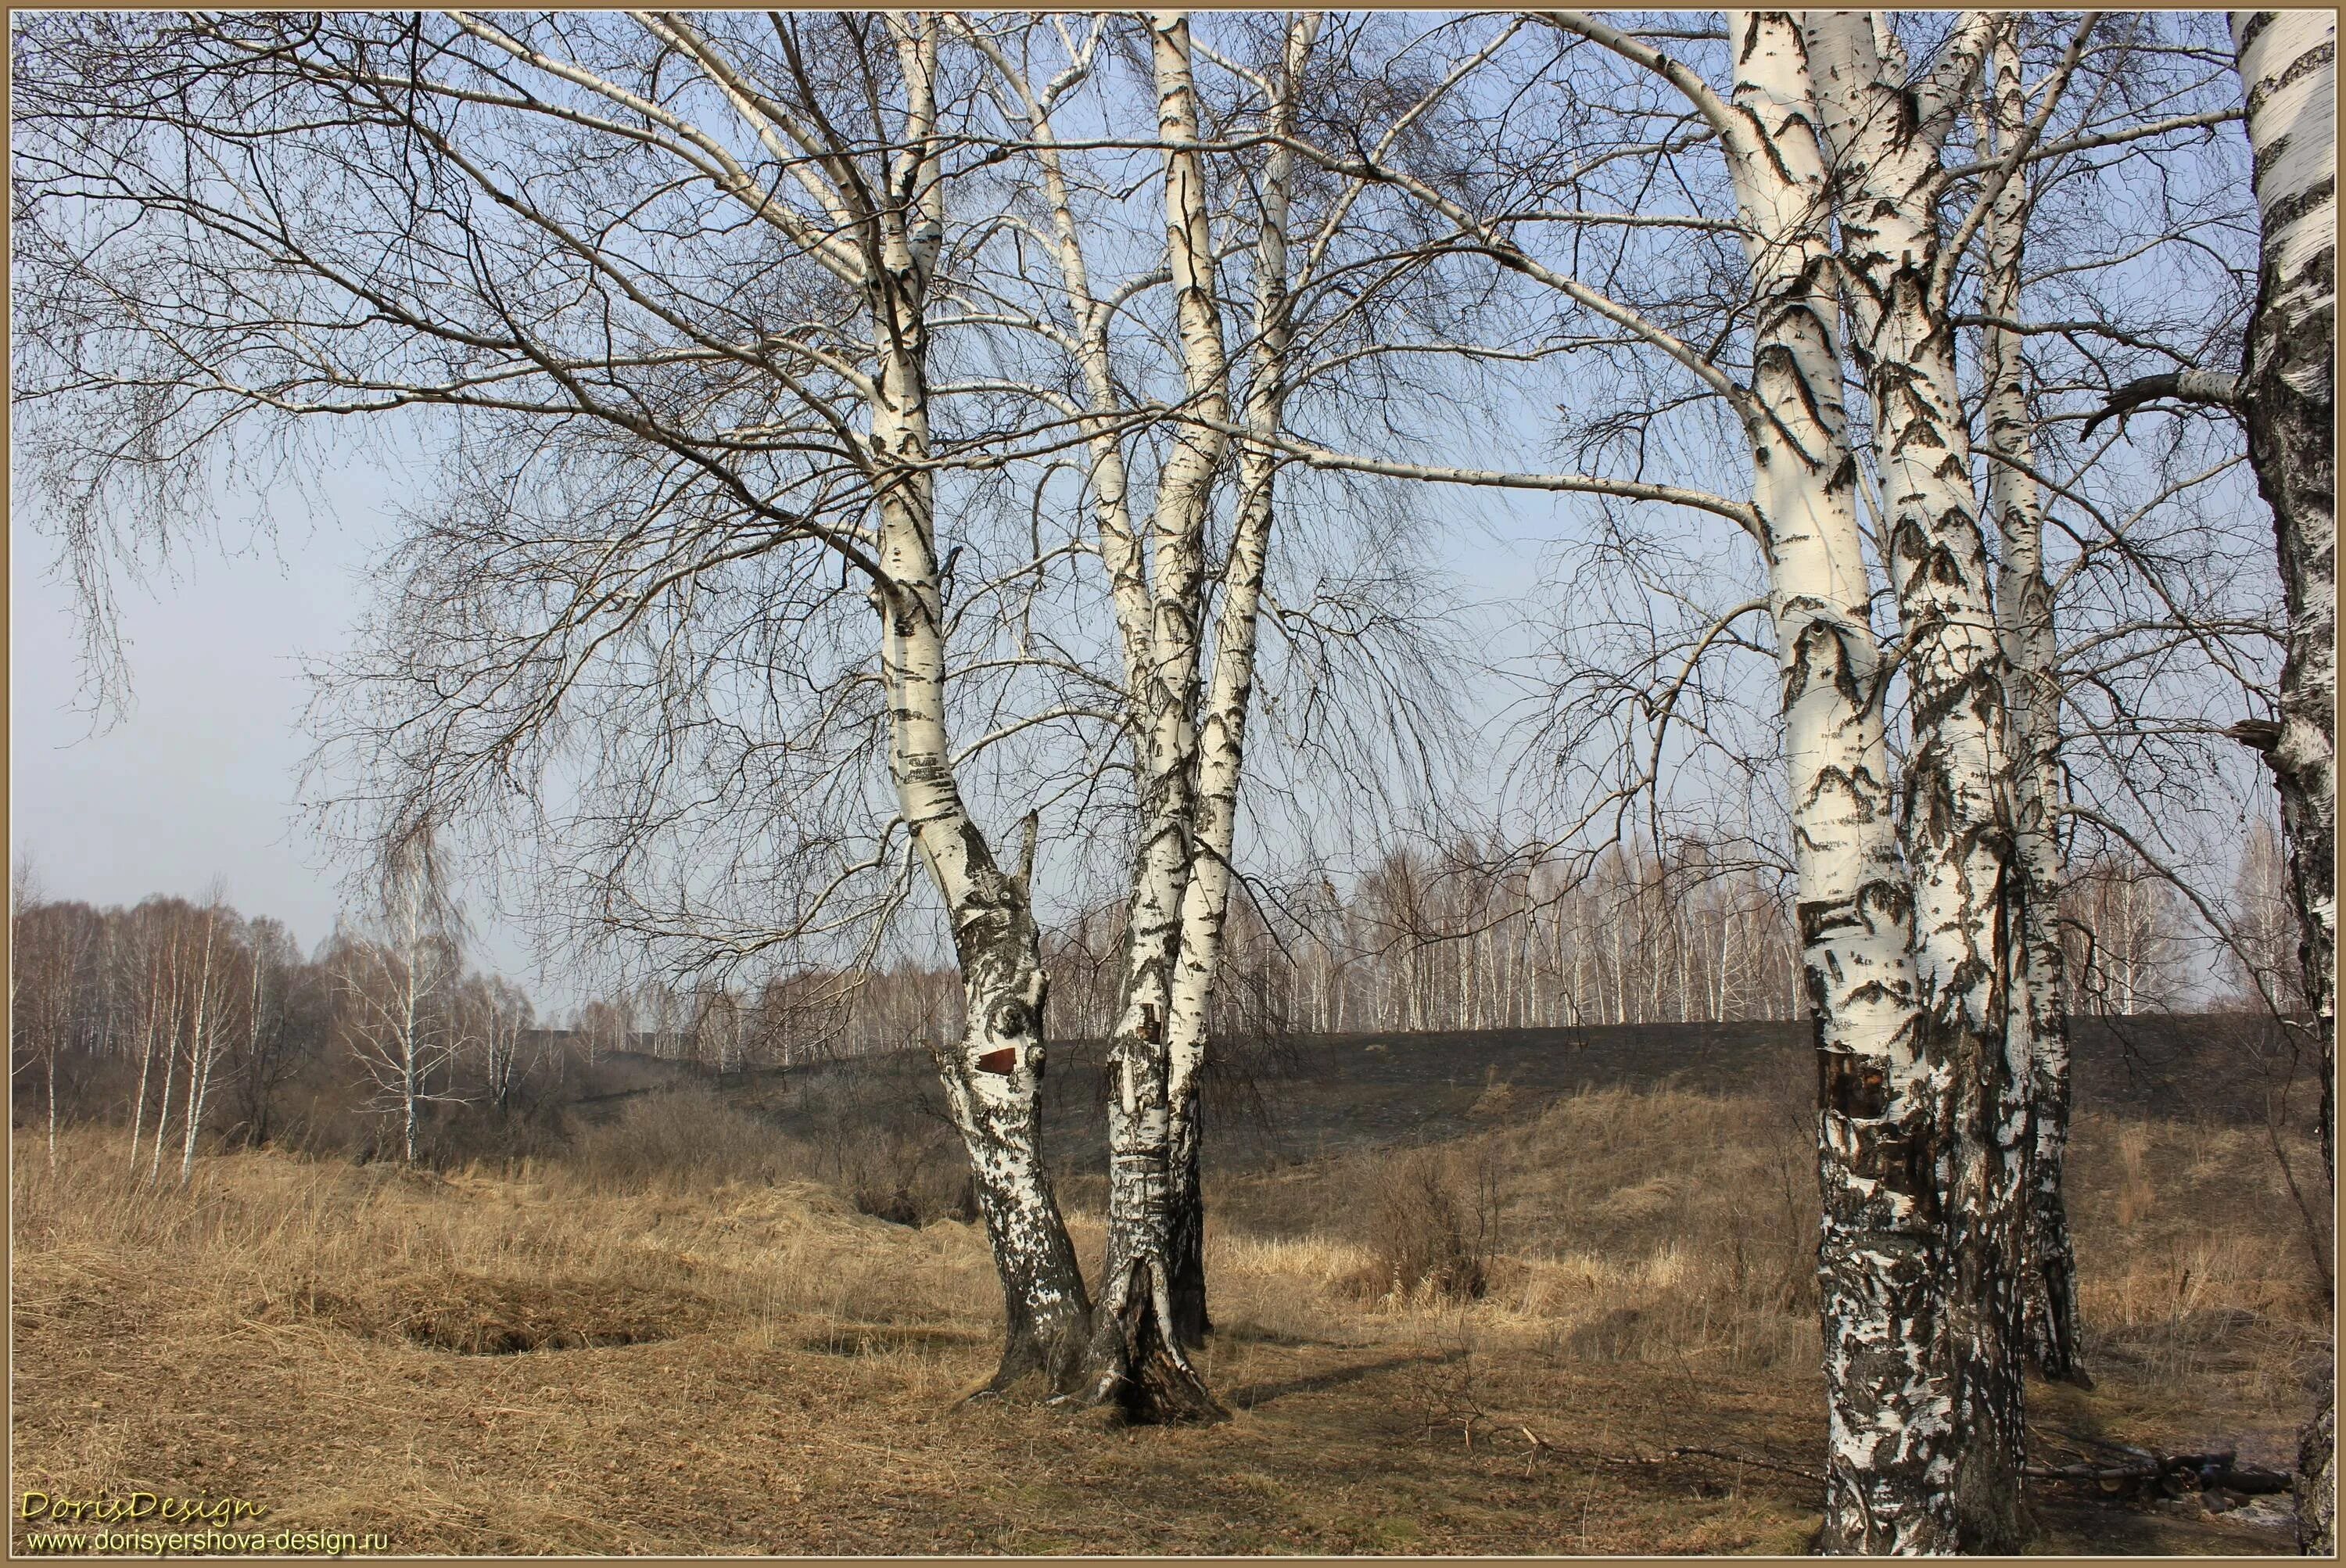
1254 1394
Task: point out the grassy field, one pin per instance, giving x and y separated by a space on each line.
683 1334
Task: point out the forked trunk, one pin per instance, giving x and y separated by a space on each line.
1890 1389
2023 608
2288 68
1157 599
1956 821
1138 1361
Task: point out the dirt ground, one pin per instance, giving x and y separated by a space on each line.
573 1357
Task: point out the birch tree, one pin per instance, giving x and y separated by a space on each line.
2037 1003
184 995
1885 136
1126 321
1889 1424
2288 68
1222 728
1893 1432
399 988
155 999
215 990
1895 1441
1136 1357
1153 1306
687 267
1963 1097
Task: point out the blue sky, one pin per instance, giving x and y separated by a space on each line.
197 780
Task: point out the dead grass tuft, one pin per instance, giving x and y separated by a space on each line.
470 1314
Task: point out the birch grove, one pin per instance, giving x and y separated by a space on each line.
862 444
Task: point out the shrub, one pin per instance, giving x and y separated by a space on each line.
1433 1228
681 1138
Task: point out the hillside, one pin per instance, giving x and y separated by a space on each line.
697 1330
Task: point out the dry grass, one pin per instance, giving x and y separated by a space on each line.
674 1341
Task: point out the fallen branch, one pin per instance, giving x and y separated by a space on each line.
1744 1460
1541 1445
2174 1474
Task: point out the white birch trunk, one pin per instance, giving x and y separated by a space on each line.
1883 137
1135 1357
170 1066
146 1065
2288 68
2023 608
1138 1361
1889 1386
993 1076
203 1046
1221 745
409 1091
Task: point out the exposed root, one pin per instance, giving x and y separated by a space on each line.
1033 1367
1137 1367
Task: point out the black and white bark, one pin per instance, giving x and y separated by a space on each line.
1139 1362
993 1075
2023 608
1884 138
1889 1391
1892 1392
1186 748
1222 728
2286 398
1155 581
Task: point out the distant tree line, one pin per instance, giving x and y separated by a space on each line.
193 1025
